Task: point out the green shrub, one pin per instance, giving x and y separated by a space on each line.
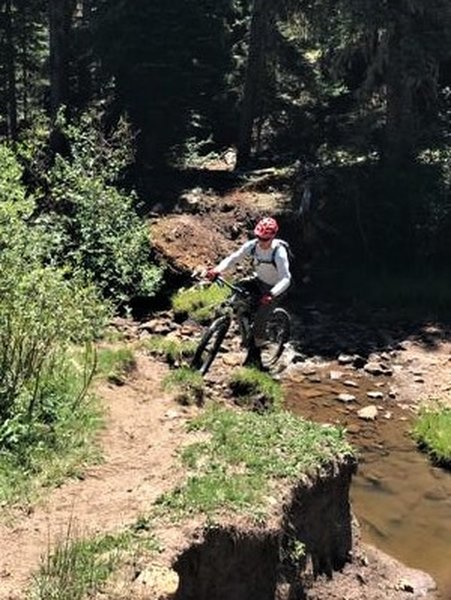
432 431
100 234
90 225
57 443
188 385
199 302
43 313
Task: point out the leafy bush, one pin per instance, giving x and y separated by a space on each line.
43 313
100 234
57 443
93 227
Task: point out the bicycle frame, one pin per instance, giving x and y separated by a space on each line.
243 317
225 312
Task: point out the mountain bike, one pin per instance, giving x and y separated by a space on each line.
238 306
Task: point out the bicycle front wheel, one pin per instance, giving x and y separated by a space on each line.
209 345
277 334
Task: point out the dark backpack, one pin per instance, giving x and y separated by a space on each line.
272 260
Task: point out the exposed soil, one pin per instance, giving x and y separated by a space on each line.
146 427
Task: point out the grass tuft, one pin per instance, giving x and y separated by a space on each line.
42 453
199 303
244 454
114 364
79 567
432 431
173 350
255 388
188 385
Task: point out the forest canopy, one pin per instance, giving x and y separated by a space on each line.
359 89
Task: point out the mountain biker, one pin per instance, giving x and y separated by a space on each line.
270 280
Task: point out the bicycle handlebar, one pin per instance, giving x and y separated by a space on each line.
219 279
232 286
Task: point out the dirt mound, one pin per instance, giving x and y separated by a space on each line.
190 241
209 228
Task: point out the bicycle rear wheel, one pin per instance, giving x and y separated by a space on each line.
209 345
277 334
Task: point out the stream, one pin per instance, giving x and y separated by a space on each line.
401 501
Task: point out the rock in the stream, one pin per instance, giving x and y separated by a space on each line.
377 368
369 413
345 359
349 383
309 370
346 398
335 375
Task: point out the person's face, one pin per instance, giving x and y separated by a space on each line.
265 244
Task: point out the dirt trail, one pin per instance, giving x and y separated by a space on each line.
141 435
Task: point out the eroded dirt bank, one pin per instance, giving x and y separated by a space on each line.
243 562
310 550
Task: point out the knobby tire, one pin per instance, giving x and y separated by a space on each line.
209 345
277 329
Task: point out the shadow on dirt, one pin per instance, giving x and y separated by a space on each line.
328 330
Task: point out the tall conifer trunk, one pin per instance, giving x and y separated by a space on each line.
59 31
255 75
10 71
401 127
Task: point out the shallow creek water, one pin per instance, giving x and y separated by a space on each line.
403 503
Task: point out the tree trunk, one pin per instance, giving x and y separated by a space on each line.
402 126
10 59
59 31
255 71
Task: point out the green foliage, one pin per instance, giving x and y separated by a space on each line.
432 431
43 313
174 350
199 302
79 567
252 385
90 225
100 234
245 454
188 385
358 203
114 364
43 454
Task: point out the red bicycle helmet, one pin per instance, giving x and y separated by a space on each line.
266 228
